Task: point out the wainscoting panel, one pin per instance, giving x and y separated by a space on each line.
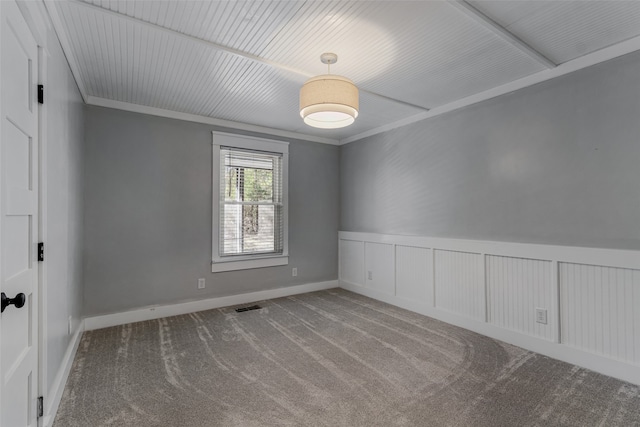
352 261
412 274
591 295
379 267
601 310
459 283
516 287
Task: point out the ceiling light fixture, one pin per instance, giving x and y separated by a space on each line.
329 101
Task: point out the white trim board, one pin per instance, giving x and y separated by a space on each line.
500 31
604 365
170 114
54 395
619 258
157 312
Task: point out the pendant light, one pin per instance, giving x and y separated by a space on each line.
329 101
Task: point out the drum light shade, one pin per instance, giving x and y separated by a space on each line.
329 101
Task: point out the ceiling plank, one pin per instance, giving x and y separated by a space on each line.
501 32
229 50
191 38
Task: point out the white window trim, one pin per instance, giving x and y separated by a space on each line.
219 263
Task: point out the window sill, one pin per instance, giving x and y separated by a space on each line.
220 266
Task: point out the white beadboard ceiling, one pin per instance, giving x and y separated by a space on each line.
242 63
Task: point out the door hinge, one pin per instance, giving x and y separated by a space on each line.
40 407
40 94
40 251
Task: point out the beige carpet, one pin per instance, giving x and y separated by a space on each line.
330 358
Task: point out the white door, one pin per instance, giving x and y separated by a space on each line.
18 219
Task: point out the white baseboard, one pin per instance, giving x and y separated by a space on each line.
594 362
54 396
157 312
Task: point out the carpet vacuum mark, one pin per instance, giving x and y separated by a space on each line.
328 358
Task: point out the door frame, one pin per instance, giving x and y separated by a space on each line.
42 233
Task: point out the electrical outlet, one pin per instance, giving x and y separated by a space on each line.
541 316
370 275
294 271
201 284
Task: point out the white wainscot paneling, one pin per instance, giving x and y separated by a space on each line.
601 310
352 261
379 263
516 287
494 288
459 283
412 274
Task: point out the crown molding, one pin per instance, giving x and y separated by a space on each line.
170 114
594 58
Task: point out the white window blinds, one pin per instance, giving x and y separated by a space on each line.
251 203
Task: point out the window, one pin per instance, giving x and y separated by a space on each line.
249 202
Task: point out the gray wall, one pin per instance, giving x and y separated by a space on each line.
62 160
148 214
554 163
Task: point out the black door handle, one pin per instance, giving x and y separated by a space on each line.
18 301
